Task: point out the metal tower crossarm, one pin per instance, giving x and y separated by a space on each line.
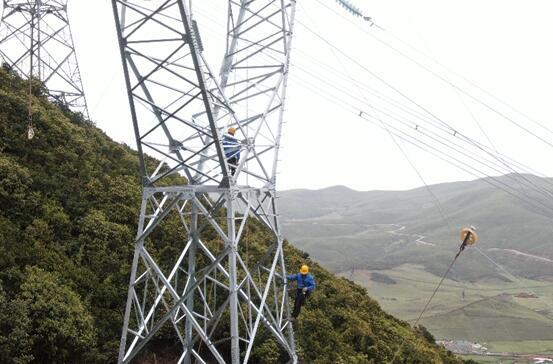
217 298
36 40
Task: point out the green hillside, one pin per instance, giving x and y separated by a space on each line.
69 201
343 228
397 245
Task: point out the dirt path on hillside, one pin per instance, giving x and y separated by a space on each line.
522 254
396 229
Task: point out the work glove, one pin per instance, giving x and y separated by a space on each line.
304 290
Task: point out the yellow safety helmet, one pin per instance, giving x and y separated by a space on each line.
231 130
304 269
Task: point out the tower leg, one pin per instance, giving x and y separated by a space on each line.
193 236
134 267
234 323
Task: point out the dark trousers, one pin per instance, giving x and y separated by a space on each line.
300 300
233 162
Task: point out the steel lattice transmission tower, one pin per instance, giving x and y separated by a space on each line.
209 290
36 40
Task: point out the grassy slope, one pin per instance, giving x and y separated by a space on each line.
70 199
497 318
509 324
344 239
503 221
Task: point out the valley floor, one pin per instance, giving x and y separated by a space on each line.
508 318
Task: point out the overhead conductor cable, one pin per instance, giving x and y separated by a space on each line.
469 238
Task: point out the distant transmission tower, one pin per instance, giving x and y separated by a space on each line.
215 297
35 40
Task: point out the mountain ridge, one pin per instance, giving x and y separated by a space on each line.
504 222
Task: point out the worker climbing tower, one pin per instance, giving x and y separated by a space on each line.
219 292
36 40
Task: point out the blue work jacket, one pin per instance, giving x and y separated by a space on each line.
303 281
231 146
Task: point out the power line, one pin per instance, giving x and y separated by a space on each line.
501 158
497 184
450 83
495 154
469 82
430 149
435 138
389 133
334 48
461 248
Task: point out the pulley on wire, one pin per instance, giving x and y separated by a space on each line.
469 237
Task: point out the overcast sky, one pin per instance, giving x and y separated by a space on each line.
504 46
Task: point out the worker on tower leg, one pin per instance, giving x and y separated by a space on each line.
231 147
306 285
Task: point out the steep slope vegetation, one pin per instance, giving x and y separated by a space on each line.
68 208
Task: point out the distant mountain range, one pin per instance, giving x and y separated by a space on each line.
346 229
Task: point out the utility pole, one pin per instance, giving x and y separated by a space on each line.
213 295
